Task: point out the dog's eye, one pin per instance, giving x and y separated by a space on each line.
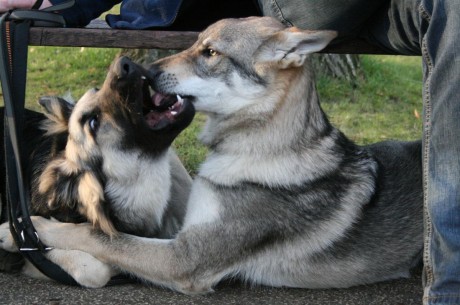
209 52
94 123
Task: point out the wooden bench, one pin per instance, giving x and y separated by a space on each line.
98 34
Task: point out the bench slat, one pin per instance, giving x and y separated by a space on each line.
98 34
111 38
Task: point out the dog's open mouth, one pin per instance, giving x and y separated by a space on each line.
161 110
166 109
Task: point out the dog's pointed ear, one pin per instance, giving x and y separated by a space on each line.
290 47
58 111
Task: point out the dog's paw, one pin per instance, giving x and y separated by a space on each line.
60 235
84 268
6 239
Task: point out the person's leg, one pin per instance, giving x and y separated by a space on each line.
441 54
346 17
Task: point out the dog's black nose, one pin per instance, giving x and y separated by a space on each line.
124 67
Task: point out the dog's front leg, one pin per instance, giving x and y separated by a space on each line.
163 262
84 268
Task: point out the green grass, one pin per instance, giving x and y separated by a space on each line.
382 103
55 71
189 149
385 101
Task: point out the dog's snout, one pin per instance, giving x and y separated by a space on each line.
124 67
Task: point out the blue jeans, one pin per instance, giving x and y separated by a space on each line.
430 28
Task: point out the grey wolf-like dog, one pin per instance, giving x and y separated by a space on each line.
107 160
283 198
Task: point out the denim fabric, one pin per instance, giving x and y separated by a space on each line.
441 55
430 28
347 17
84 11
144 14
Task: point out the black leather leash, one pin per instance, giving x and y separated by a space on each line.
14 37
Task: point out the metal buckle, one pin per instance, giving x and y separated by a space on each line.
33 249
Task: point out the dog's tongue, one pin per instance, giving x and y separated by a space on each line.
159 99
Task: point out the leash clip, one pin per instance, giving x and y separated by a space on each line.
37 242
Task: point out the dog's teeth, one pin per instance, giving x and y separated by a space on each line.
179 99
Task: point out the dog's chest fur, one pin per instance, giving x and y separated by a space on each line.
138 188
